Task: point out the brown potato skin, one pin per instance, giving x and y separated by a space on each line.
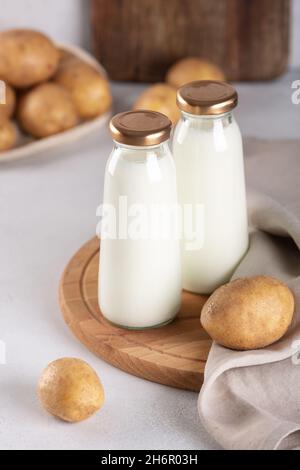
66 58
26 57
89 90
45 110
8 134
70 390
7 110
248 313
159 97
192 69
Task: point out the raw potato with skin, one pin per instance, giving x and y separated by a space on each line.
46 110
88 88
160 97
26 57
8 109
248 313
192 69
70 390
8 134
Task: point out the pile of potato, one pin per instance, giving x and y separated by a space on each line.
162 96
48 90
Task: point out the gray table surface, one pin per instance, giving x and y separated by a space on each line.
47 208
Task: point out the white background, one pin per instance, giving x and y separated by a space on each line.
47 211
68 20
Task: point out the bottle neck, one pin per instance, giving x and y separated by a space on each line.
205 122
140 154
140 149
206 117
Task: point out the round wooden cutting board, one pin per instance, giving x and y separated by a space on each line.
173 355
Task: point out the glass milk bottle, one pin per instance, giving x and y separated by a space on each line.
140 270
208 152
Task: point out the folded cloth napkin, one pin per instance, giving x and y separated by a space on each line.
251 399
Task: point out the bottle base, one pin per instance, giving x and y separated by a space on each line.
204 292
139 328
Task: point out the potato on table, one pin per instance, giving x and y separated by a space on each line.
192 69
159 97
26 57
46 110
70 389
88 88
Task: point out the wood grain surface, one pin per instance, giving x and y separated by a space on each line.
173 355
140 39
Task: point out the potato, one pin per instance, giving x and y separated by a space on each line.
26 57
66 57
248 313
7 109
70 390
8 135
160 97
46 110
88 88
192 69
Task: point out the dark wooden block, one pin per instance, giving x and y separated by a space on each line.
140 39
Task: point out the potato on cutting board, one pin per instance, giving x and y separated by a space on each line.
26 57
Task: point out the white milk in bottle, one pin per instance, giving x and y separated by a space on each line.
208 152
140 271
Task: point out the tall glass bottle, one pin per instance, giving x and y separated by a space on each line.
208 152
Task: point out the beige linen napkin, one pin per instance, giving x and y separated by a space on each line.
251 399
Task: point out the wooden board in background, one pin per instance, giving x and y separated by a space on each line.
140 39
173 355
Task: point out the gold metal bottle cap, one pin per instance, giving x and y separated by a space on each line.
207 97
140 128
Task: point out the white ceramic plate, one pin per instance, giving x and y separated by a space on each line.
27 146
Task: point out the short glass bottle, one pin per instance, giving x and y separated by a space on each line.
140 271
